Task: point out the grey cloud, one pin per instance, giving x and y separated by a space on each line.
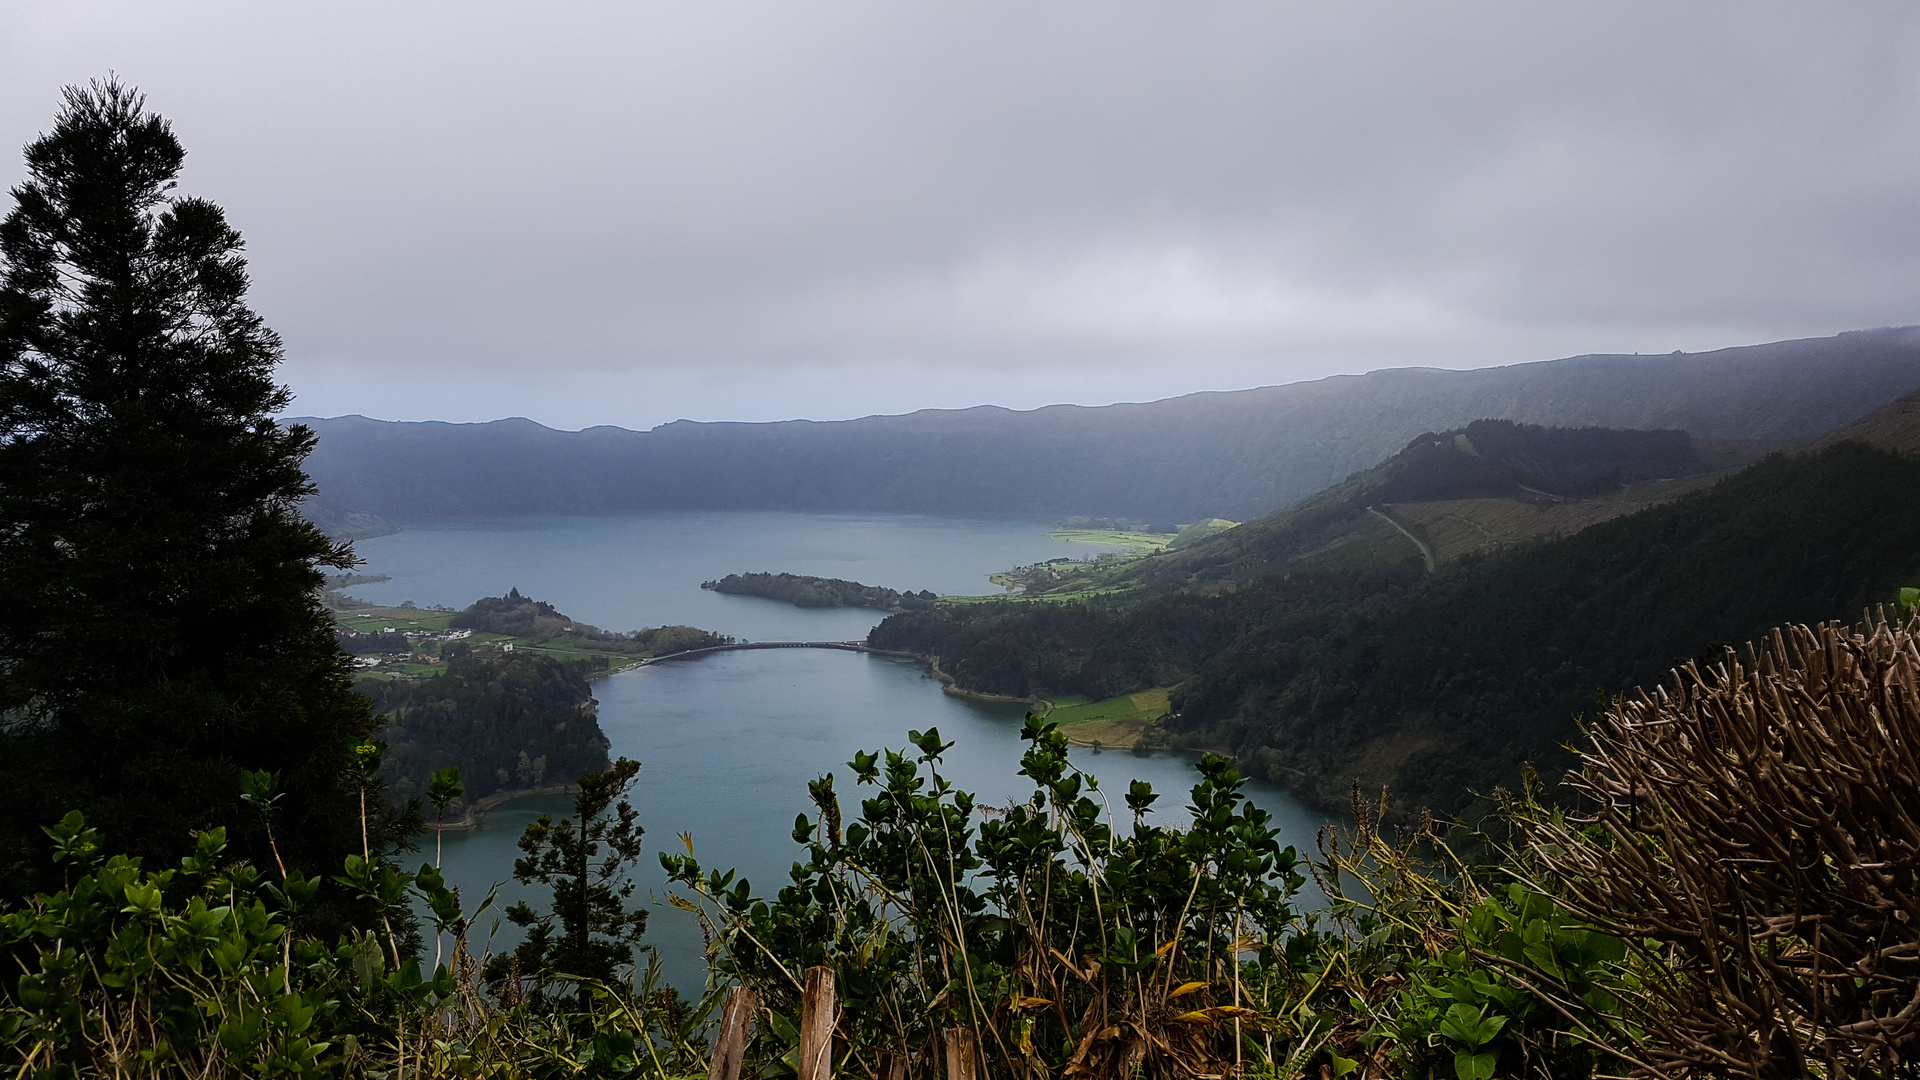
1047 196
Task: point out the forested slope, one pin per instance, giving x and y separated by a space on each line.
1454 687
1235 455
505 721
1438 684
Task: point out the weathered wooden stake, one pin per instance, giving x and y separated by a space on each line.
893 1065
817 1019
963 1054
736 1027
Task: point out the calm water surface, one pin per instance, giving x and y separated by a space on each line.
729 741
623 573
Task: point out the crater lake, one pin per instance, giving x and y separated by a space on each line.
729 741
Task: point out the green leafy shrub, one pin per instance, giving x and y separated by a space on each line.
190 970
198 971
1057 939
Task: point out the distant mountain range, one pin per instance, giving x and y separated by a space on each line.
1237 454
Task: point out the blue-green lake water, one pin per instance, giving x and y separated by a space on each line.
623 573
728 742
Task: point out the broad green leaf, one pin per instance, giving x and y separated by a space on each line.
1472 1066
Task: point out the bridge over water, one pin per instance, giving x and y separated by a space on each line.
845 646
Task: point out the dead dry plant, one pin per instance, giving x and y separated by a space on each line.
1755 834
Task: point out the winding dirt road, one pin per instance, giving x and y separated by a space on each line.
1424 553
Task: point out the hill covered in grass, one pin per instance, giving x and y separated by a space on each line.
1452 684
1436 684
1506 482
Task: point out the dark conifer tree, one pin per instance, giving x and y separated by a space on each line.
160 627
588 932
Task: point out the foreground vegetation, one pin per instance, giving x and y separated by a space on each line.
161 630
1735 900
1727 887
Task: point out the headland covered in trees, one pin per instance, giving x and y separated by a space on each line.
805 591
200 855
499 690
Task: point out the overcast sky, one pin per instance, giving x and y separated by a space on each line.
631 212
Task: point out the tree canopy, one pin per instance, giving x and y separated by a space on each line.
161 630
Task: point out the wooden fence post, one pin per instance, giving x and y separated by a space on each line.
818 1018
736 1027
963 1054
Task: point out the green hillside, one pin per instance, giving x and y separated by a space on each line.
1453 686
1200 530
1502 482
1437 683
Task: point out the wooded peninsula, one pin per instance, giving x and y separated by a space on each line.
821 592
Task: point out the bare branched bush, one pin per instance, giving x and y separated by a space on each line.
1756 836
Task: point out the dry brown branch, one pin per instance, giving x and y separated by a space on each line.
1756 828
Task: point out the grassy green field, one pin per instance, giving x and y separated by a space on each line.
401 668
1137 542
1368 542
374 620
615 661
1117 721
964 601
1464 526
1056 582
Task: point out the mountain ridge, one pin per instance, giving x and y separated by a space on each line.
1235 454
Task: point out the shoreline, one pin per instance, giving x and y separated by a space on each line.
1041 706
948 685
470 817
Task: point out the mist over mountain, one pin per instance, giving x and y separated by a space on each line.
1236 454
